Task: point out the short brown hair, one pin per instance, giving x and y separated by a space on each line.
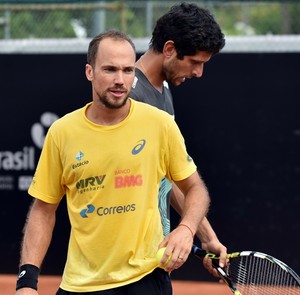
93 46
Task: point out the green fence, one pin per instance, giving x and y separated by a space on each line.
84 19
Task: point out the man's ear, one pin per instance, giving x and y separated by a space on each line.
169 49
89 72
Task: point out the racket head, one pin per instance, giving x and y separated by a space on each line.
254 272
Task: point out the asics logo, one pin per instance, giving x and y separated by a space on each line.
22 273
138 147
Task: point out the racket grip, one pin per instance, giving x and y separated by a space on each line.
198 252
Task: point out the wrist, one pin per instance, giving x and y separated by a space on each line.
28 276
186 226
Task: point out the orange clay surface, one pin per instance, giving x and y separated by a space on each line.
49 284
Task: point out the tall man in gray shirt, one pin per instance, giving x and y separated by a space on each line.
183 40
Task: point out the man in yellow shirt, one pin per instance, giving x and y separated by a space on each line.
108 158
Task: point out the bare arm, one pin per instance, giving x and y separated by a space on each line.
206 234
195 205
37 236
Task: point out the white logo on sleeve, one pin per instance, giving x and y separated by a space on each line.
22 274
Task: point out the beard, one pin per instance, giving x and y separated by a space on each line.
111 102
169 72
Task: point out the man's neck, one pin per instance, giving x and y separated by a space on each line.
150 63
101 115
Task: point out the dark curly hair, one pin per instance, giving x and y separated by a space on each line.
191 28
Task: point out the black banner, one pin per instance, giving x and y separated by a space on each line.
241 124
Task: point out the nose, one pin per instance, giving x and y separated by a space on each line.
197 71
119 78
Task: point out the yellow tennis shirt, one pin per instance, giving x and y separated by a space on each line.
110 176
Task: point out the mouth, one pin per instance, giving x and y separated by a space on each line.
186 78
117 92
183 79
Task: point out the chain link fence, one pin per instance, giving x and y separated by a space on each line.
66 25
137 18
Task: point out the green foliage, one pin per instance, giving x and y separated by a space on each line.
259 18
266 21
235 18
135 23
294 18
41 24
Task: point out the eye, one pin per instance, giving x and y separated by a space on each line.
128 70
194 62
109 69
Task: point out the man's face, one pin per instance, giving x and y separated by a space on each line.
176 71
113 73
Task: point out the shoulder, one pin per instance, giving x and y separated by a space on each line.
68 119
148 110
140 87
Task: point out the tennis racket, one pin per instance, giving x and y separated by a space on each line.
254 273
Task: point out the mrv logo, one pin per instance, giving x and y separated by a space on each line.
90 183
20 160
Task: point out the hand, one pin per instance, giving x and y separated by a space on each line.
179 242
214 246
26 291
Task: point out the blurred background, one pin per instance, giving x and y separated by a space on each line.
80 19
241 120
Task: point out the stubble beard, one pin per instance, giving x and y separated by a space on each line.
112 103
169 74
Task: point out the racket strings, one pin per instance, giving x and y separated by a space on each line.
255 275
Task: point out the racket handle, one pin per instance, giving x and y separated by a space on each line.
198 252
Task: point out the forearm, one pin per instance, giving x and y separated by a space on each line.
194 205
37 233
36 240
211 243
194 211
194 208
205 232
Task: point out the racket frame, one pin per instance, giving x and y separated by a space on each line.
200 253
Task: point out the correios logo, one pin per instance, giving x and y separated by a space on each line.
105 211
90 183
89 210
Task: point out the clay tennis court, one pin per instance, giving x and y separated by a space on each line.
49 284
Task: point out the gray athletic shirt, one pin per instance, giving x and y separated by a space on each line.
142 90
